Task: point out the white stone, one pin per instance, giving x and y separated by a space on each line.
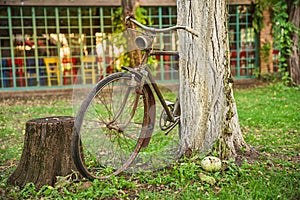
211 164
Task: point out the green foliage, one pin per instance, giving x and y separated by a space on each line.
141 15
118 38
118 19
269 118
265 51
282 30
258 17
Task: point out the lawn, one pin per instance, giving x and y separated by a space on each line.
270 121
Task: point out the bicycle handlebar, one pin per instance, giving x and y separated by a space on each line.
156 30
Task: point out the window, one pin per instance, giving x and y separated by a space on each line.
243 41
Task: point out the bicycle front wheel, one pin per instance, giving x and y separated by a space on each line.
112 125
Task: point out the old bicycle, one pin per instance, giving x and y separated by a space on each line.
117 118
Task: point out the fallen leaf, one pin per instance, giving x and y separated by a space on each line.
207 179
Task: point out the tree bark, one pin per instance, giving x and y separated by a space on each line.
209 120
46 153
294 58
128 7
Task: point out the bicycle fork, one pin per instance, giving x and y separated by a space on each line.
132 85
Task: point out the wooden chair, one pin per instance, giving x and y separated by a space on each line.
53 70
89 68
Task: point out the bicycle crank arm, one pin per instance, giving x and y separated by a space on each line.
172 126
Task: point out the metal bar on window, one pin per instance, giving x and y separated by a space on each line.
58 45
37 70
12 45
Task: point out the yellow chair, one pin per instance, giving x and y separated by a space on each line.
89 68
53 70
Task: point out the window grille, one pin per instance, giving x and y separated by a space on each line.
30 34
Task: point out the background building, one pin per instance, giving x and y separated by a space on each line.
35 32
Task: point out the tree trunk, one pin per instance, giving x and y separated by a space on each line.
294 58
209 120
129 7
46 153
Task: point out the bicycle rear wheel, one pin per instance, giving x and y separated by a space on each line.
109 132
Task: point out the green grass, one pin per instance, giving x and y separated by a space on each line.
270 120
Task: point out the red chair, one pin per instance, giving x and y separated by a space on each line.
233 59
18 70
69 66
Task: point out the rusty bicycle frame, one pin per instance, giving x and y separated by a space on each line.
144 43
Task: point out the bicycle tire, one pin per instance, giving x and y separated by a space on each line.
100 141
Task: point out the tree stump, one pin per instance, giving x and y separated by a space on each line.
46 152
